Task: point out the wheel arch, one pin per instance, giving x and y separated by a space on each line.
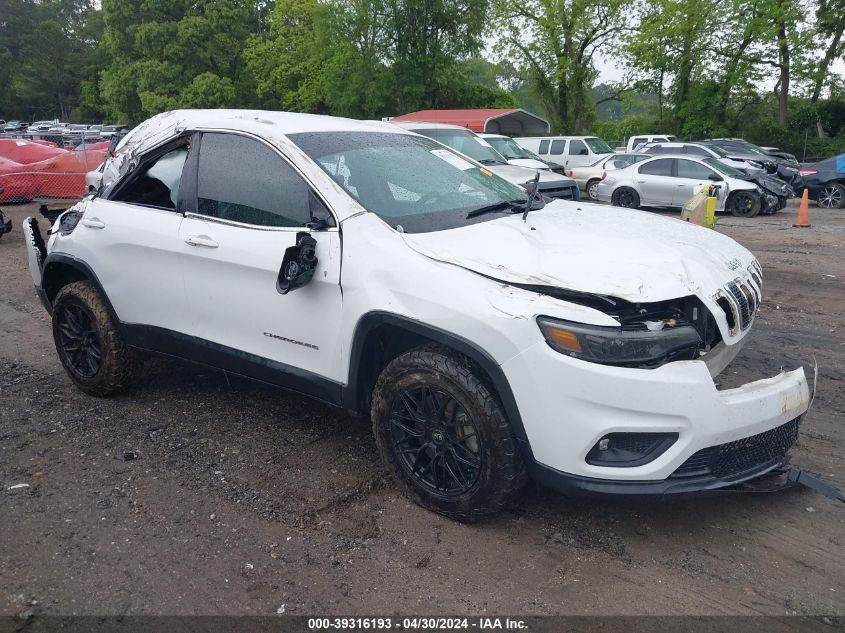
379 337
61 270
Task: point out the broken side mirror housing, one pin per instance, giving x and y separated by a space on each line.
298 264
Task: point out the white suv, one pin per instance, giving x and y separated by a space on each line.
489 335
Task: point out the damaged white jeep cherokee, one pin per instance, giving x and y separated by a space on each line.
489 335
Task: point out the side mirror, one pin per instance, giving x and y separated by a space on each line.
298 264
714 177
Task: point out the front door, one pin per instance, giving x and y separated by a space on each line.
134 245
233 243
691 176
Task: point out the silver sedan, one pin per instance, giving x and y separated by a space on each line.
670 181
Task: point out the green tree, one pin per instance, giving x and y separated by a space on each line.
166 54
556 42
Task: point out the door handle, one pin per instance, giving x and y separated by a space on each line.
93 223
201 240
641 182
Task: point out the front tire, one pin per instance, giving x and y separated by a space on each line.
89 345
444 436
625 197
744 205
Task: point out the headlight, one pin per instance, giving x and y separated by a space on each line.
657 343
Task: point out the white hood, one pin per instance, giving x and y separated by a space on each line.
632 255
520 175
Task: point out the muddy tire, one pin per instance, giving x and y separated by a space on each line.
742 204
592 189
625 197
443 434
89 345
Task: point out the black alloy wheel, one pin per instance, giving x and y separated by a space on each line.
436 440
79 341
626 197
743 204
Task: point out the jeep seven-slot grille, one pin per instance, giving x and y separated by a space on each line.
741 298
733 459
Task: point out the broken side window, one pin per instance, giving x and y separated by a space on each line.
157 184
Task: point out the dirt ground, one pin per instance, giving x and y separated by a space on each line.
248 500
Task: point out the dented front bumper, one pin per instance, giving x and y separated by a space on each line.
567 406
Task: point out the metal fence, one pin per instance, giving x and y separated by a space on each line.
34 169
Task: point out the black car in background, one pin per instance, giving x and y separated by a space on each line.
826 181
782 164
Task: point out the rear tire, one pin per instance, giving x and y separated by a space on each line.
592 189
742 204
89 345
444 436
832 196
625 197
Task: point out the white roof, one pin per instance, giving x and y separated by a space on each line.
267 124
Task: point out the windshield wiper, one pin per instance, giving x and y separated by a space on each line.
492 208
533 188
489 161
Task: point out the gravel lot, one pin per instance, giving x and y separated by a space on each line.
249 500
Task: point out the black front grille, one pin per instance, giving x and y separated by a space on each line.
742 301
740 456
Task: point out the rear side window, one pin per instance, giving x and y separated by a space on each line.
639 141
544 147
557 146
577 148
658 167
242 180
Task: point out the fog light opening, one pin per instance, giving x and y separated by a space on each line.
626 450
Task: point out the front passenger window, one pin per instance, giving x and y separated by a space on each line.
243 180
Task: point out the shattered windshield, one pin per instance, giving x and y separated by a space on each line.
410 181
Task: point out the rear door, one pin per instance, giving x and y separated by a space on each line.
251 206
655 182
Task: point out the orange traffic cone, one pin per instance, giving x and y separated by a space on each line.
802 220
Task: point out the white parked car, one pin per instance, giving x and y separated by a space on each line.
569 151
473 146
488 335
670 181
635 143
513 153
